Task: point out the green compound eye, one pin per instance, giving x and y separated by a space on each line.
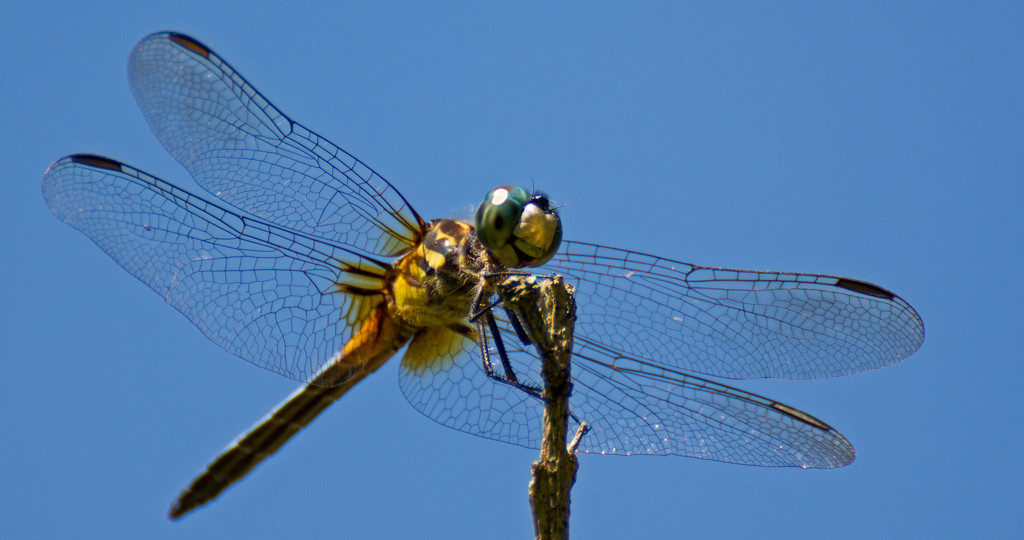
517 228
498 215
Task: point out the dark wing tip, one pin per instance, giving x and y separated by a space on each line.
864 287
189 43
95 161
800 415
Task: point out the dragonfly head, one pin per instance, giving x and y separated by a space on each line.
519 229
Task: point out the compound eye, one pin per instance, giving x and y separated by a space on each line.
498 215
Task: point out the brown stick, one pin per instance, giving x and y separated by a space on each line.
547 310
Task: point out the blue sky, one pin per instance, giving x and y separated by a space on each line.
881 142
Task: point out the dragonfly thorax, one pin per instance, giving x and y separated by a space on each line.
435 284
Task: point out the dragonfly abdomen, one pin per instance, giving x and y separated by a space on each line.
376 341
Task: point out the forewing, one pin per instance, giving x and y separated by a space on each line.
243 149
263 293
732 323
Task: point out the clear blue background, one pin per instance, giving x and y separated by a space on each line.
882 142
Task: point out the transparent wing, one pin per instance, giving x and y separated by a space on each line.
732 323
633 407
243 149
638 407
263 293
457 393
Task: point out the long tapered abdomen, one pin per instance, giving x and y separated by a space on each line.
377 340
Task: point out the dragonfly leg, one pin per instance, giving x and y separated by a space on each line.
487 325
499 344
524 337
517 326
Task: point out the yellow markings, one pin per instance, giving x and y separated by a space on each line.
409 293
434 259
360 284
435 349
360 308
442 239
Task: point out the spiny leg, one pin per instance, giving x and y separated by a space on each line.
486 324
517 326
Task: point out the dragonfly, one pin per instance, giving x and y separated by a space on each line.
310 264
